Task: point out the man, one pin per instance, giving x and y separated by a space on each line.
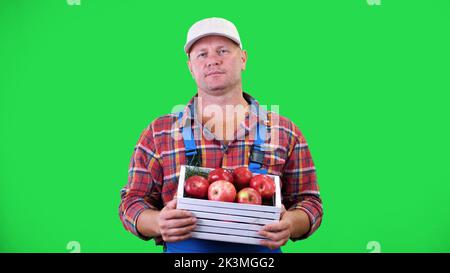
148 207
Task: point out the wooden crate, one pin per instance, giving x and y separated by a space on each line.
227 221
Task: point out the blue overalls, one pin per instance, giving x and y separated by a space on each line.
207 246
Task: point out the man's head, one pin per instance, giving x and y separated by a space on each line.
215 55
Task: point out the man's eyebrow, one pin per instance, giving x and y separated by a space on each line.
206 49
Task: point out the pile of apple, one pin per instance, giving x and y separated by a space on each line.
238 186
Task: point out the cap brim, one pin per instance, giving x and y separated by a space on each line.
188 46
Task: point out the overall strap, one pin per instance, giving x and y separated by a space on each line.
191 152
257 154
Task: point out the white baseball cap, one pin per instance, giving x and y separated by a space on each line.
211 26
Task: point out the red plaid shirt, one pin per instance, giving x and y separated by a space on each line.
159 153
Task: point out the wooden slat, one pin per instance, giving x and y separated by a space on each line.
228 231
226 238
219 223
219 204
226 217
238 212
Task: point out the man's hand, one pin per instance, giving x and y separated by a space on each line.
278 233
293 223
175 225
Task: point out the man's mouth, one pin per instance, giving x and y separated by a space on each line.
214 73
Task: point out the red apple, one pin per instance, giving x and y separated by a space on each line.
222 190
196 186
220 174
242 177
264 185
249 196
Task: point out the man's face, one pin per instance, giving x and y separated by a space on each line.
216 63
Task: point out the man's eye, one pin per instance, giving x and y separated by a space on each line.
222 51
201 55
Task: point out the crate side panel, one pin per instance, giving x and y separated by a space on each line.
226 238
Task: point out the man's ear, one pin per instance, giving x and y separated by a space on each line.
243 59
190 67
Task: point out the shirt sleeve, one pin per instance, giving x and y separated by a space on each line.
143 190
300 187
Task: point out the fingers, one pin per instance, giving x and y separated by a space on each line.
277 234
174 224
277 226
283 211
170 211
178 223
177 229
275 239
273 244
173 239
172 204
180 231
175 214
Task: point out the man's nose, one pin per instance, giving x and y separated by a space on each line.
213 61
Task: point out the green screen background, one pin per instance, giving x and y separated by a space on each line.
367 85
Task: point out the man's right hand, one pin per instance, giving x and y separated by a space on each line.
175 225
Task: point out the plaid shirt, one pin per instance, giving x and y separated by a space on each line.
159 153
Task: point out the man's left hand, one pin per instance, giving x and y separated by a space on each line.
278 233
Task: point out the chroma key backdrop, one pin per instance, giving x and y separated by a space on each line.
366 81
